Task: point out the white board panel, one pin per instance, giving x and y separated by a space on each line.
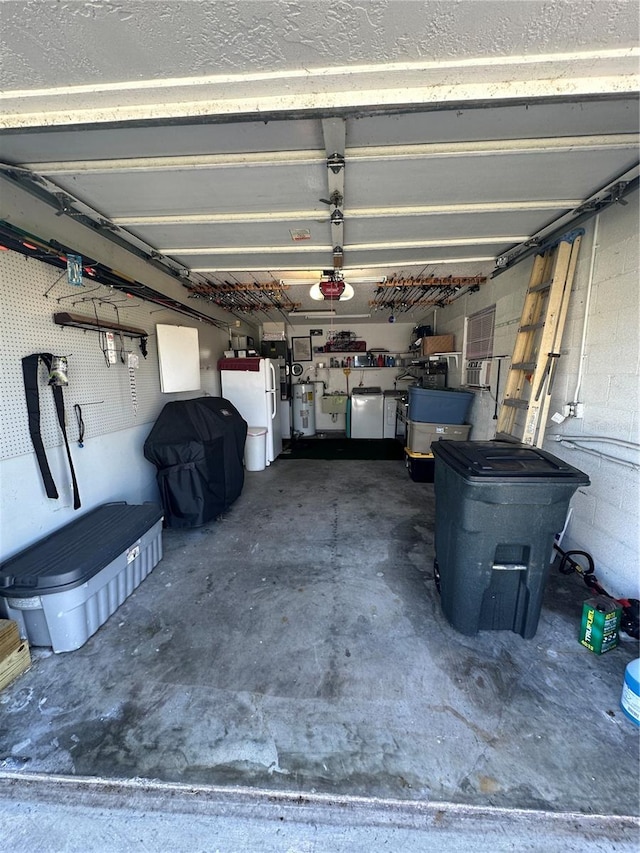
178 358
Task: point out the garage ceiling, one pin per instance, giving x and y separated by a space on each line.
254 148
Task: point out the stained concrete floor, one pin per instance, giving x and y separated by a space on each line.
297 646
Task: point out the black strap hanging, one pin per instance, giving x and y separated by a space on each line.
30 372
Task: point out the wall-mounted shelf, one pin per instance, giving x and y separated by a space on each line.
438 356
78 321
353 369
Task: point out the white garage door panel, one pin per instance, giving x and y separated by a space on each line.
443 226
587 118
249 189
236 236
103 144
507 177
245 261
358 258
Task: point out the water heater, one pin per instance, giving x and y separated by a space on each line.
304 414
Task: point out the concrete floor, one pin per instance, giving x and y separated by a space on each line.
297 646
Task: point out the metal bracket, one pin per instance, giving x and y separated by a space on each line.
335 162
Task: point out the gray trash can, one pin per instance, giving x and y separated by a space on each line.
255 449
498 508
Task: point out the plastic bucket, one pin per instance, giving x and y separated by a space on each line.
630 699
255 449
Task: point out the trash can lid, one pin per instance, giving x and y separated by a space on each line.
502 460
253 430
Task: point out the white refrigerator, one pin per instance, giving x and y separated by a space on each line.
253 386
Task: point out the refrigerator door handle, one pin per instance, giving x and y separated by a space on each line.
272 390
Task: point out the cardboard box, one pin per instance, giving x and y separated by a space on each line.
437 343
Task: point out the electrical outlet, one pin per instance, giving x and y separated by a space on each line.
578 410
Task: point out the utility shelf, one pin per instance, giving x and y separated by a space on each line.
79 321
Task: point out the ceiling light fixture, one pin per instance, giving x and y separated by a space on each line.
317 315
310 315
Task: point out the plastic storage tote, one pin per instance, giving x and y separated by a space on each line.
420 435
419 465
438 407
61 589
498 508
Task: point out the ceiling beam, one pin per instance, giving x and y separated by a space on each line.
249 250
409 262
359 212
371 247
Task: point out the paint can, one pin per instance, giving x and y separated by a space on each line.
630 699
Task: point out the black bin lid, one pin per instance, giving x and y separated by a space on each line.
76 552
505 460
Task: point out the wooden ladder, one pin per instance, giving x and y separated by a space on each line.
527 395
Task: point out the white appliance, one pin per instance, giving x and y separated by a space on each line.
304 413
285 418
253 386
479 373
367 413
391 413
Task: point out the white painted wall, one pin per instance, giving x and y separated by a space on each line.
605 519
394 337
111 465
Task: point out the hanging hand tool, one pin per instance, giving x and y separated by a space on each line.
347 371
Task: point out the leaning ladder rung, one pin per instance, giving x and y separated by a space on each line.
531 327
544 285
557 266
515 403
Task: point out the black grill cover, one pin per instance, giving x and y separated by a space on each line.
198 448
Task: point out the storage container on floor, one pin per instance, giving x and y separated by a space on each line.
61 589
421 435
419 465
498 508
255 449
445 406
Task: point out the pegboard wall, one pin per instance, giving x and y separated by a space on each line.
112 397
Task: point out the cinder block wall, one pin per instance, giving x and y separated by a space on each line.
605 517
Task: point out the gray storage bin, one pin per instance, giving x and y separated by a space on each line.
420 435
61 589
498 508
448 406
